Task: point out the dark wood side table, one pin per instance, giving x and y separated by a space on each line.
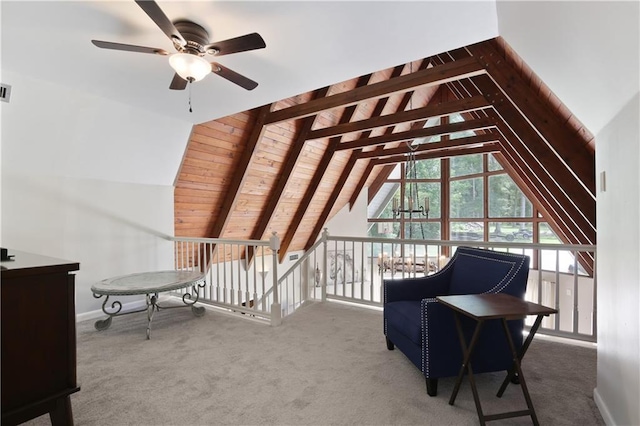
504 307
38 338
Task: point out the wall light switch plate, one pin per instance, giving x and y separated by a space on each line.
5 92
603 181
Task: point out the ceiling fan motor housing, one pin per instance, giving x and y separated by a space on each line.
196 37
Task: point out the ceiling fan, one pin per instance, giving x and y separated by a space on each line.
192 43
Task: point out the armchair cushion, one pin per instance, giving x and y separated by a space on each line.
405 317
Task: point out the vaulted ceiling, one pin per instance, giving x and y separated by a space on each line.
290 165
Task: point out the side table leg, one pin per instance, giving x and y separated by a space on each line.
516 365
466 366
523 350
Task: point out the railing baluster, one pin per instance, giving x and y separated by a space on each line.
218 265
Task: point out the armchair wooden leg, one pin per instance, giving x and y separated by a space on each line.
390 344
432 387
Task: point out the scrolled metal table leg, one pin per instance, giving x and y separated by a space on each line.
152 306
104 324
186 298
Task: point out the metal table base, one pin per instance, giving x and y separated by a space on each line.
150 284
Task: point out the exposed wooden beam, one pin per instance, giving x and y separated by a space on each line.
548 191
429 77
424 113
443 129
347 114
216 228
380 179
331 200
233 191
573 196
513 168
540 196
363 180
382 102
287 169
442 153
385 171
576 192
443 145
561 229
570 149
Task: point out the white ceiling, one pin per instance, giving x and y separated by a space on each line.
309 45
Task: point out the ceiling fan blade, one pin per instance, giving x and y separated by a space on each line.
239 44
178 83
129 47
156 14
233 76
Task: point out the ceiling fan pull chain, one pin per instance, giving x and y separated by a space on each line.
190 110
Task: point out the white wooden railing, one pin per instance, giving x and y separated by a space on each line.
352 269
240 274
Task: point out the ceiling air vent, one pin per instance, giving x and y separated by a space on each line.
5 92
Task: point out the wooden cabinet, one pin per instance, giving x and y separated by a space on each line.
38 338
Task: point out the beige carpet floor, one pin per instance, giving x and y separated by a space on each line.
325 365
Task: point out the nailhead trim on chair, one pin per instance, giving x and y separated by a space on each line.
511 274
424 321
499 286
384 301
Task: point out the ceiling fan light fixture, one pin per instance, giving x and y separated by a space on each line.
190 67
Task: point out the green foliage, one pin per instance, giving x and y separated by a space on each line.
466 165
428 169
466 198
506 199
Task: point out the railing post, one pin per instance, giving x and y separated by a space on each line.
276 309
323 291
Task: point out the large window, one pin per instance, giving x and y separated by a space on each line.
470 198
481 202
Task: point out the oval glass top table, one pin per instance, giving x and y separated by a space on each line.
149 284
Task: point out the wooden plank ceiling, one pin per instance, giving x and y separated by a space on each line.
290 166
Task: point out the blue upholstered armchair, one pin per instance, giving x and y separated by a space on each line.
424 329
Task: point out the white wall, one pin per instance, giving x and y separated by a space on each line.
350 221
618 215
588 53
51 130
87 179
110 228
